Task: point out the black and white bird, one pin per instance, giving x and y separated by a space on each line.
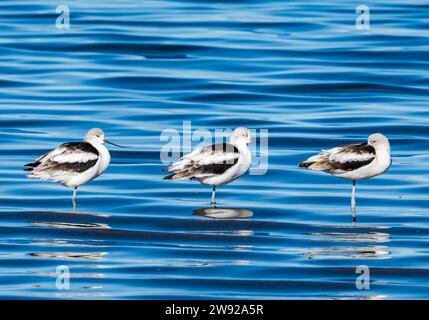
217 164
73 163
354 161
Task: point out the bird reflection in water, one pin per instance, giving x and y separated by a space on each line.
88 255
86 265
224 213
66 224
362 242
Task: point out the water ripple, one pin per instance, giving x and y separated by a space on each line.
300 70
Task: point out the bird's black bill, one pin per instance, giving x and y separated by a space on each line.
114 144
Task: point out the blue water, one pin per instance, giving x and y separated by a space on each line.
134 68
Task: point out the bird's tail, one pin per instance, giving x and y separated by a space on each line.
305 164
318 162
31 166
170 177
322 165
178 175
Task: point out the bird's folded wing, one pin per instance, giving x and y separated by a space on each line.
352 153
213 159
341 159
73 152
72 157
350 157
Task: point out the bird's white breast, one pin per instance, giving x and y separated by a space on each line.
103 160
236 171
380 165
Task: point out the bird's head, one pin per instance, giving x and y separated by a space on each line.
240 135
378 141
96 136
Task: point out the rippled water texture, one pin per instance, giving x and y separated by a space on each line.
134 68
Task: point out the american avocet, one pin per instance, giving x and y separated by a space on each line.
73 163
216 164
354 161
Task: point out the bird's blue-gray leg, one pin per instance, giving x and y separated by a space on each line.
214 195
74 198
353 194
354 201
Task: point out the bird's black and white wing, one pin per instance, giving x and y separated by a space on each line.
205 162
70 158
341 159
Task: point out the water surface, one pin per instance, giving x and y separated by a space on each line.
134 68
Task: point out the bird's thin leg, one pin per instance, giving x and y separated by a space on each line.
214 195
353 194
74 199
354 201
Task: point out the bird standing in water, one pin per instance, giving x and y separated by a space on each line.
217 164
73 163
354 161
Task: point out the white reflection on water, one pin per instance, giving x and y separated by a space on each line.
368 251
374 252
208 263
66 243
70 225
90 256
241 233
369 297
73 274
224 213
352 236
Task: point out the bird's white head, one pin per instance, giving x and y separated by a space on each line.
240 135
95 136
379 141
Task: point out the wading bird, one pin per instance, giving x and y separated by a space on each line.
217 164
73 163
354 161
